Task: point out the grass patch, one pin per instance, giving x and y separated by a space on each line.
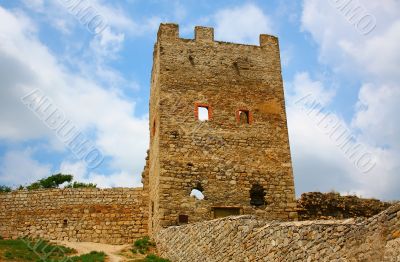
154 258
31 250
25 250
142 246
141 249
93 256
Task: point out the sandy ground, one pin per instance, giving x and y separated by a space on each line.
86 247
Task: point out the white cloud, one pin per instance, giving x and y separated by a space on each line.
321 165
114 24
81 174
378 107
303 85
19 168
373 60
242 24
346 49
27 64
108 43
379 55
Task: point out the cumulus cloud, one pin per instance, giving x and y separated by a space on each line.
108 23
343 47
242 24
373 59
322 158
19 168
82 174
378 107
104 114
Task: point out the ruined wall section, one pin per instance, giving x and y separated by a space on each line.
224 157
245 238
114 216
317 206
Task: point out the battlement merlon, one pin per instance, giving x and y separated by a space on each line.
170 31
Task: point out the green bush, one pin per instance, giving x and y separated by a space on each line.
8 255
53 181
154 258
93 256
81 185
142 245
5 189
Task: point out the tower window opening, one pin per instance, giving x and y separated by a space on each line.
203 113
257 195
243 117
153 129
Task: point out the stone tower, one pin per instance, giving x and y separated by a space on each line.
217 125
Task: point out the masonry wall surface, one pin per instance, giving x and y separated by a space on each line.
245 238
221 156
113 216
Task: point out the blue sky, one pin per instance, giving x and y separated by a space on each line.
346 65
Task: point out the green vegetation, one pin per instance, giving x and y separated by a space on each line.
5 189
93 256
53 181
29 250
39 250
142 245
81 185
154 258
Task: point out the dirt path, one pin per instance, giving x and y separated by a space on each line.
86 247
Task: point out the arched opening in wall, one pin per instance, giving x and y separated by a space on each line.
197 192
257 195
65 223
191 60
243 117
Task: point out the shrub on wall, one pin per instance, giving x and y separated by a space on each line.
53 181
81 185
5 189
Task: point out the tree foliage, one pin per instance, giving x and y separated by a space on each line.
81 185
5 189
53 181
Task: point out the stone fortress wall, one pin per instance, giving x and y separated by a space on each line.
240 157
113 216
246 238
